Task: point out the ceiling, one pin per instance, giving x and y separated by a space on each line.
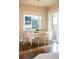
43 3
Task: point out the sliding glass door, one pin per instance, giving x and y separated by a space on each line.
53 29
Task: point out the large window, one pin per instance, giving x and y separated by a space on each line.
32 22
53 29
55 32
55 26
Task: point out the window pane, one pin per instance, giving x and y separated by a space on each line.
54 19
35 24
27 23
55 26
32 22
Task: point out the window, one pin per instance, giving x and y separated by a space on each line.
53 29
32 22
55 32
55 26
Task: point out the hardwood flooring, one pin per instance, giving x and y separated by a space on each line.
31 53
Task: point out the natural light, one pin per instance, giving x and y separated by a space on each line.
32 22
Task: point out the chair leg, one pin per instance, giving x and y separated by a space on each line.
38 42
44 42
31 44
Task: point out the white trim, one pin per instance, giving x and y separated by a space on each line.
32 13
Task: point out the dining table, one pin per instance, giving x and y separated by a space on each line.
32 35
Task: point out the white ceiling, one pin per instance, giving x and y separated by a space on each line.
43 3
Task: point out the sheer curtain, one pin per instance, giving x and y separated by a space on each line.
53 29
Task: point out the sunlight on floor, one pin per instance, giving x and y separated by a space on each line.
55 48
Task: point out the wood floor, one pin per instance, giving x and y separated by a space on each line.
27 46
31 53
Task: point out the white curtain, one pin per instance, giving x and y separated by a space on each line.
53 25
53 29
50 25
